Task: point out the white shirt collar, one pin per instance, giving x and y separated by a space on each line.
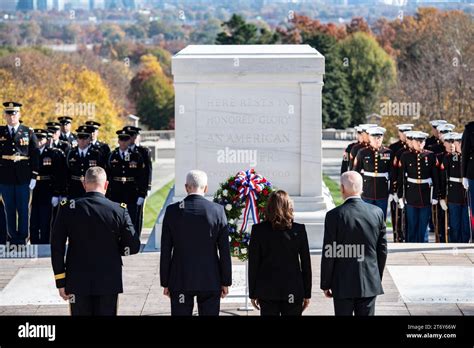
196 193
355 196
15 128
42 149
83 151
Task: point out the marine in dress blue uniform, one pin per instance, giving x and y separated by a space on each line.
419 175
347 151
18 171
362 144
452 192
397 214
374 163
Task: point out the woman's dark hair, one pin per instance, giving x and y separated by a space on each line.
279 210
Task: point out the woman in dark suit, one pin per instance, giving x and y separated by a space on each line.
279 261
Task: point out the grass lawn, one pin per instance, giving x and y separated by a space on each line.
336 193
334 189
154 203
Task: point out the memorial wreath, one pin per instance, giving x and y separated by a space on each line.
244 194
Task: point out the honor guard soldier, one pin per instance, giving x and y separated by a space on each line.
103 148
18 171
401 142
127 177
54 141
50 185
467 166
418 185
66 134
433 139
438 147
452 193
347 151
98 232
443 146
79 159
146 155
397 148
400 222
360 145
374 163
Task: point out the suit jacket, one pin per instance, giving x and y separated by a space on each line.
99 233
194 231
468 151
360 225
279 263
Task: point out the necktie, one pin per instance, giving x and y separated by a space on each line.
13 132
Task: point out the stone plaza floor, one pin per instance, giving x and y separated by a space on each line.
420 279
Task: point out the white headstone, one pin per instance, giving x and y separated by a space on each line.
252 106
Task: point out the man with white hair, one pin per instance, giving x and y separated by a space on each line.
354 251
195 252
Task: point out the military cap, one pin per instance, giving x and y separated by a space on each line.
123 134
11 107
366 126
40 133
376 131
404 127
436 123
446 128
132 130
65 119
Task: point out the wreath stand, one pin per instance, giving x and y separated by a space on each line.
246 308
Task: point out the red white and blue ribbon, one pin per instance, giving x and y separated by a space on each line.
249 185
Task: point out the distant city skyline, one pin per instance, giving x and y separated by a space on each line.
60 5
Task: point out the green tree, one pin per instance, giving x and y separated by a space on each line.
370 73
336 108
238 32
152 92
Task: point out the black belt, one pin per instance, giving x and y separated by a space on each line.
123 179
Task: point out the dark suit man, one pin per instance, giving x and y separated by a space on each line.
99 232
194 231
354 251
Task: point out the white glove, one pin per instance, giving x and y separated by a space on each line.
390 198
401 203
443 204
465 183
434 201
32 184
55 201
140 200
